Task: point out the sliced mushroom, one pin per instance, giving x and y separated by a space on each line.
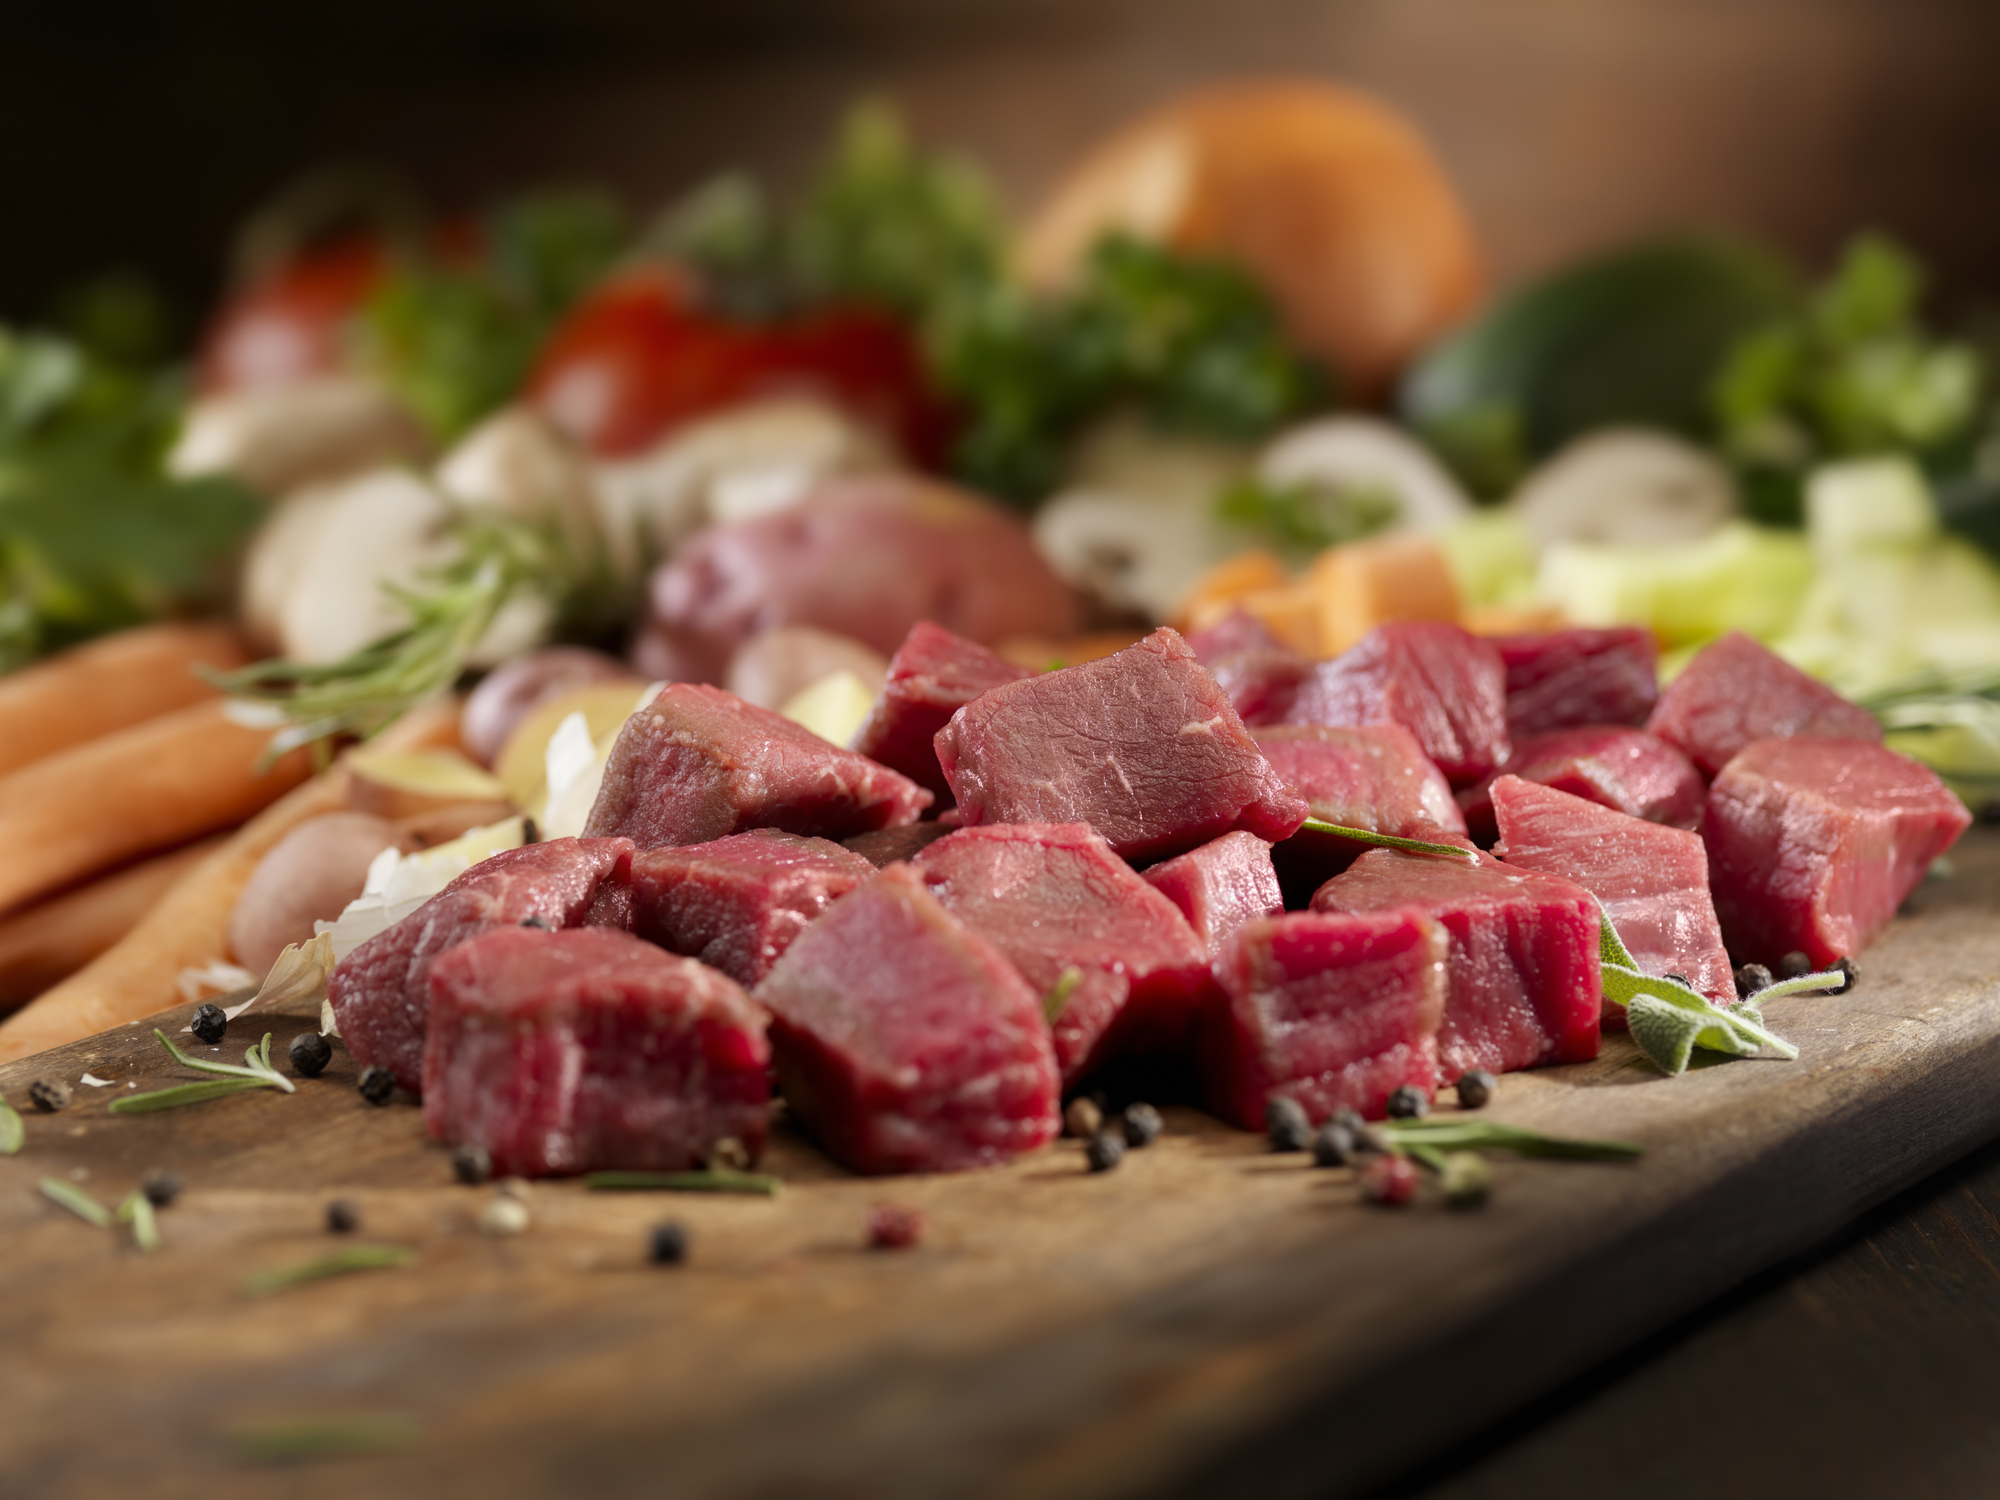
1626 485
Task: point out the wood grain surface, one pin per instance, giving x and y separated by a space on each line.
1209 1319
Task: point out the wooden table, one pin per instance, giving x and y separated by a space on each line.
1209 1319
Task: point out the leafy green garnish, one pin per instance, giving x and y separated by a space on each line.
721 1180
454 336
93 535
256 1072
1385 840
1307 517
13 1134
137 1210
340 1263
1854 372
288 1439
1458 1133
77 1202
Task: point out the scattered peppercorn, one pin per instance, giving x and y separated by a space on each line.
342 1217
540 924
892 1227
1389 1180
1750 979
1351 1118
209 1023
472 1165
505 1215
1369 1141
667 1243
1286 1123
728 1155
1409 1103
1794 965
1082 1118
1142 1124
1333 1145
1105 1151
531 832
49 1095
1475 1088
377 1083
1680 979
1468 1180
161 1187
311 1052
1852 970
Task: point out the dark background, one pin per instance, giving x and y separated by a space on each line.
137 132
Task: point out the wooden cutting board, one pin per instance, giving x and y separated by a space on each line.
1211 1318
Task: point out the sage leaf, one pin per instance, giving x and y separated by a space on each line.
13 1134
1385 840
77 1202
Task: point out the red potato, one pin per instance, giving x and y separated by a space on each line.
510 693
309 874
866 558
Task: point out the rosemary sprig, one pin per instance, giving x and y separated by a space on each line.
256 1073
1059 993
1385 840
137 1210
77 1202
13 1134
683 1182
340 1263
314 1437
1439 1133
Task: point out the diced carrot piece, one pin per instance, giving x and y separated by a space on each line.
1224 585
1365 584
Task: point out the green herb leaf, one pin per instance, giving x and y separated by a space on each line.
723 1181
77 1202
1456 1132
1059 992
340 1263
137 1210
255 1073
1387 841
154 1100
288 1439
1307 517
13 1134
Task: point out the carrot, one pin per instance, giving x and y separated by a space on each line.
149 787
185 929
52 940
107 685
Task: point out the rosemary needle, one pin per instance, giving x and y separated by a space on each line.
312 1437
77 1202
683 1182
137 1210
353 1258
1384 840
13 1135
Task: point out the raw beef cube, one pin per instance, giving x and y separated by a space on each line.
1814 843
380 992
1735 692
932 675
581 1051
888 845
1522 984
1569 678
1653 880
1142 745
1220 886
737 903
1446 687
1333 1010
1375 777
1054 897
1262 685
1235 632
700 763
1625 769
905 1040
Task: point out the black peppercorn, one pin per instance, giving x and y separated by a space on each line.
1351 1118
1082 1118
342 1217
1409 1103
541 924
1105 1151
1794 965
310 1054
472 1165
160 1186
1680 979
377 1083
209 1022
667 1244
531 833
1475 1088
1333 1145
49 1095
1750 979
1142 1124
1286 1123
1852 970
